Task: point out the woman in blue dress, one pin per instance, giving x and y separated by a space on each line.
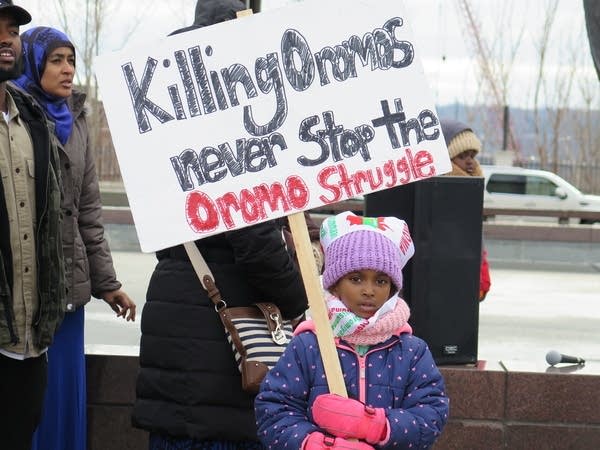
49 69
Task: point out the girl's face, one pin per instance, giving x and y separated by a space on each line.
363 291
59 71
466 161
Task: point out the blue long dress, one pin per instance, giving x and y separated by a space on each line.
65 421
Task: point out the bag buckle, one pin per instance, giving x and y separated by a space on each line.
278 334
220 305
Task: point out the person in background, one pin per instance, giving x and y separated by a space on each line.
49 69
463 147
396 395
189 389
32 289
313 234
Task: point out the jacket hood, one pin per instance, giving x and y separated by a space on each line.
306 325
209 12
451 128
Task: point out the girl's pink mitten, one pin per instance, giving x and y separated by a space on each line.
349 418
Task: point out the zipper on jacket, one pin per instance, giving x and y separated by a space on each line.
36 320
39 220
362 375
362 366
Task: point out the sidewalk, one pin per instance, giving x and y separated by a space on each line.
112 186
526 313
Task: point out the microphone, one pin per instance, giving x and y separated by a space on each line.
553 358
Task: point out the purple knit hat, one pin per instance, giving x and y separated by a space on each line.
352 242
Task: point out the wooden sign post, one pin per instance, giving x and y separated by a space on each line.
314 292
318 310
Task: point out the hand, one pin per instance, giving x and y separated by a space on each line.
120 303
318 441
349 418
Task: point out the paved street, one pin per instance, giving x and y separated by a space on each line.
527 313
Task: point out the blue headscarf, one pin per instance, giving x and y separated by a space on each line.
38 43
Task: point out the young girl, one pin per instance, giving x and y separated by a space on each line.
396 393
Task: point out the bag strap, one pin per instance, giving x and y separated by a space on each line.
270 311
204 275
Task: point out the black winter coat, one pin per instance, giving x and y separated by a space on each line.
188 384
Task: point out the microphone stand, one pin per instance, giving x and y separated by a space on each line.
565 369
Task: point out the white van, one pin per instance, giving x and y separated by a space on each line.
527 189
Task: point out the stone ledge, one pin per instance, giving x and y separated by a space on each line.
492 406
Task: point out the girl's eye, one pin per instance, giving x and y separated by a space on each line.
355 279
383 281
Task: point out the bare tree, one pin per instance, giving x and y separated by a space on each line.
495 65
542 44
561 92
586 136
85 22
182 12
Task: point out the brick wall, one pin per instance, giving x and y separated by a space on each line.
493 406
497 408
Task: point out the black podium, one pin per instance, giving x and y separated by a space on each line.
441 281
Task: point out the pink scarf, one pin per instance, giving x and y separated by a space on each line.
391 319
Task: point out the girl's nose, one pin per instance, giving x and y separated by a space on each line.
369 289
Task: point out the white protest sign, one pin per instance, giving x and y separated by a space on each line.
248 120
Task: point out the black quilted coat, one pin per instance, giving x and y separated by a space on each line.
188 383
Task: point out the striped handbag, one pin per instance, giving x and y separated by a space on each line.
257 333
258 337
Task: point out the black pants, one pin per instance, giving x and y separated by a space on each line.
22 388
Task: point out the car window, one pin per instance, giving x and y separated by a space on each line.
540 186
504 183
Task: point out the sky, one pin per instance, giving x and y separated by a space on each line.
442 41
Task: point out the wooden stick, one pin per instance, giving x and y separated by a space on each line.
316 302
243 13
314 292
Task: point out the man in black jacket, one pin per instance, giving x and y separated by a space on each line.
32 286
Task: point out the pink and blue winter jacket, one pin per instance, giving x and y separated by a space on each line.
399 375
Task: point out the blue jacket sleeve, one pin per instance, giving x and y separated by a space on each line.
282 404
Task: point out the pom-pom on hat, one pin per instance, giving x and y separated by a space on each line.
352 242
